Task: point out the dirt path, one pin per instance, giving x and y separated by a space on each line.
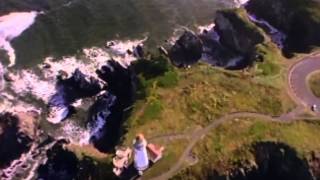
298 90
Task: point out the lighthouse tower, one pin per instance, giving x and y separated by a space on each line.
141 160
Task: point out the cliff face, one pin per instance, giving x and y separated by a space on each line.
237 32
17 132
299 19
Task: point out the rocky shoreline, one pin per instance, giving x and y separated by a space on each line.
110 88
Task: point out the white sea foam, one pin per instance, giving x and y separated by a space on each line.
43 86
79 135
9 103
11 26
119 50
240 3
207 27
75 134
27 82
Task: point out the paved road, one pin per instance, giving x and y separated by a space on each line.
297 82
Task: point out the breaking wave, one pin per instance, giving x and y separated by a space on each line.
40 82
11 26
240 3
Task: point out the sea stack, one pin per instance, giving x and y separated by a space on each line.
141 160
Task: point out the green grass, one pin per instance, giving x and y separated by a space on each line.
314 83
197 97
201 95
271 59
171 156
231 144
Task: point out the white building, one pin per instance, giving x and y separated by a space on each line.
141 160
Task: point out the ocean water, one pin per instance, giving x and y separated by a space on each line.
70 26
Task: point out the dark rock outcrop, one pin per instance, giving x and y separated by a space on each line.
275 161
17 132
77 86
232 42
99 115
187 50
215 53
138 52
121 84
69 90
299 19
237 32
62 164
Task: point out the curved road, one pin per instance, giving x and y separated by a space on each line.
297 81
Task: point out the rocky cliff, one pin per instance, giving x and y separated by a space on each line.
237 32
299 19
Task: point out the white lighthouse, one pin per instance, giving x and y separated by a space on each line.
141 160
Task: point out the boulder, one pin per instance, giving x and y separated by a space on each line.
187 50
17 133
